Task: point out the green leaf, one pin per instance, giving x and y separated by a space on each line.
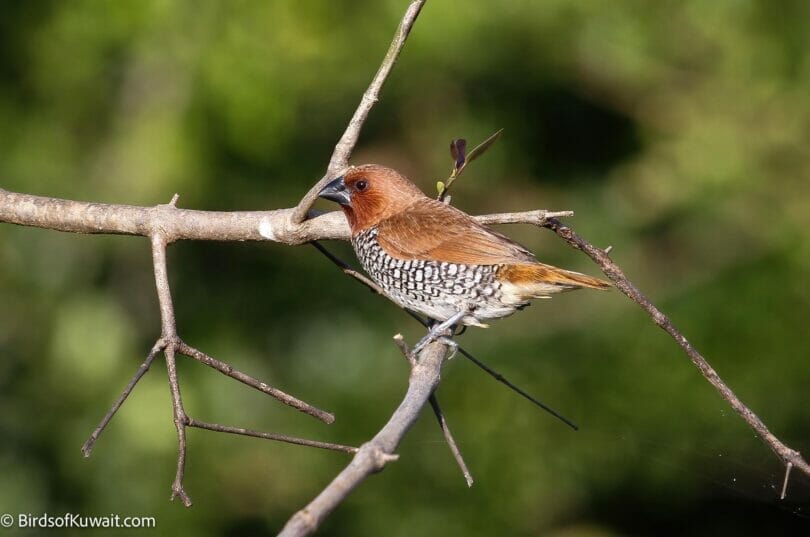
483 146
440 187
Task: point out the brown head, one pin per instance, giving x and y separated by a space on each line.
370 193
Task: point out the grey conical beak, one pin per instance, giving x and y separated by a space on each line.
336 191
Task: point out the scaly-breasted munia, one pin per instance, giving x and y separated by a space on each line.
434 259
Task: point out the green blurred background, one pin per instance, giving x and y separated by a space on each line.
679 132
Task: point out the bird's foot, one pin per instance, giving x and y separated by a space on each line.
437 333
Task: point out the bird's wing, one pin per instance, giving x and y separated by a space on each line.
433 230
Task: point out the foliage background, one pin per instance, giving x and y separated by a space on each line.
677 131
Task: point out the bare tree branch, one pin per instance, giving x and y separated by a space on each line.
87 447
191 422
790 457
451 441
377 452
399 341
176 224
173 223
345 146
230 371
169 335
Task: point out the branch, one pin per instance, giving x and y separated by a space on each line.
230 371
171 222
176 224
87 447
345 146
169 334
790 457
191 422
377 452
399 341
171 345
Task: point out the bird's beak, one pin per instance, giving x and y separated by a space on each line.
336 191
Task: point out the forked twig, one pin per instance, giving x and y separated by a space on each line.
171 345
399 341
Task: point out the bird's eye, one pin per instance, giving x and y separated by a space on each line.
361 185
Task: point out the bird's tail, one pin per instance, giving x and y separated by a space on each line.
536 280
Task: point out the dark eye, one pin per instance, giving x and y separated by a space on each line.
361 185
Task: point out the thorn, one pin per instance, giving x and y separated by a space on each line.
608 250
173 202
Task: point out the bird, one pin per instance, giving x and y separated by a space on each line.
432 258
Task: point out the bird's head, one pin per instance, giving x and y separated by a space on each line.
370 193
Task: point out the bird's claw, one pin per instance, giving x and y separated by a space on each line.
437 333
451 343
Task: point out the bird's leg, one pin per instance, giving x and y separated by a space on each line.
437 331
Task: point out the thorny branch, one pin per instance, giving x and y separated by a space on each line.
165 224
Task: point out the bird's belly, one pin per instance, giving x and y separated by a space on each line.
436 289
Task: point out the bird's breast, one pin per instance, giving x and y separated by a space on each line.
432 287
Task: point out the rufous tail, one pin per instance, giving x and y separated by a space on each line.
538 279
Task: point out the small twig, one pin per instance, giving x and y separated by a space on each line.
230 371
537 217
87 447
191 422
458 150
500 378
788 468
399 341
451 442
345 146
180 422
347 269
790 457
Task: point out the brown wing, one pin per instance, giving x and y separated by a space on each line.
433 230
